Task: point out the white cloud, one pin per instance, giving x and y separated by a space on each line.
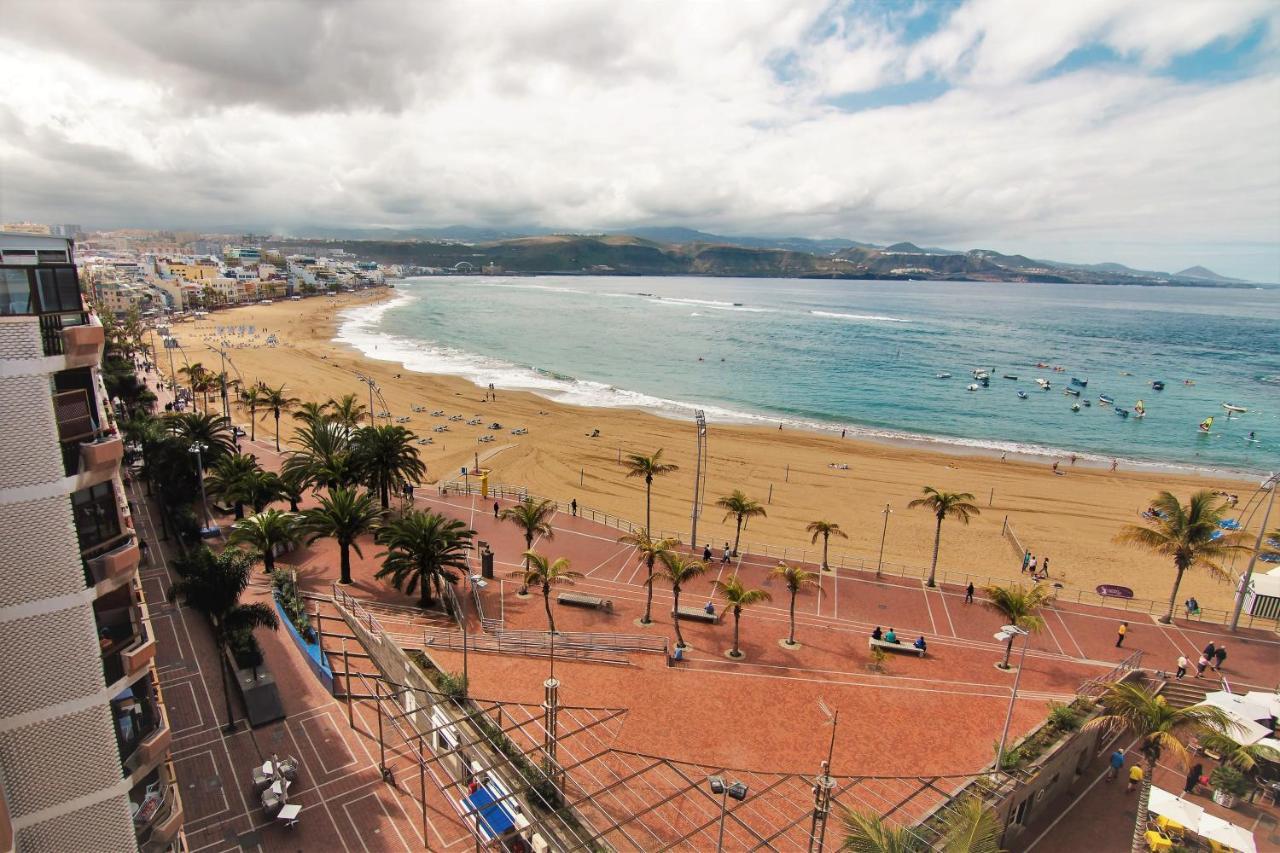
595 115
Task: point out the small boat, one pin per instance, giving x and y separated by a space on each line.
1103 398
1083 383
1043 383
1239 410
1157 385
1010 376
1124 413
1075 407
979 373
1074 392
1206 424
1139 409
973 386
942 376
1087 403
1022 395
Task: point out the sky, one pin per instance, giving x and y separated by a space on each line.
1143 132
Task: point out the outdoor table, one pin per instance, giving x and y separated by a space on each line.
289 814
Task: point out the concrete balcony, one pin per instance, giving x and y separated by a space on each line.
118 562
156 828
139 655
82 345
101 456
154 747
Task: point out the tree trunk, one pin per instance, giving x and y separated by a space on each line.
737 536
648 593
546 603
648 503
675 614
826 540
226 686
345 549
1008 650
937 542
268 559
253 422
791 638
737 618
277 412
1173 596
1144 801
384 493
528 546
239 510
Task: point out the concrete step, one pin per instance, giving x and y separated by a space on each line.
1188 691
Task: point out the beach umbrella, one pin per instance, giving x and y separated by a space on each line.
1242 714
1176 809
1226 833
1264 699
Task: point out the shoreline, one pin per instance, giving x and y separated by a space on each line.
353 317
799 475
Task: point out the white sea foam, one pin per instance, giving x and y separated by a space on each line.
870 317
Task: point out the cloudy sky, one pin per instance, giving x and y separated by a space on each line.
1145 132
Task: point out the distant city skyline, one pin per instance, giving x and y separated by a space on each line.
1143 133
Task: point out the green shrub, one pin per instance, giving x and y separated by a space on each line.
1229 779
451 684
1063 716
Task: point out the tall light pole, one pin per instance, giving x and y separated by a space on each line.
883 534
737 790
1004 635
1272 484
701 420
368 380
198 449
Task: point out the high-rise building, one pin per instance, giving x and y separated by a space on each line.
84 735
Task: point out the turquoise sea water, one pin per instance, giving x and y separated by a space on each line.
864 356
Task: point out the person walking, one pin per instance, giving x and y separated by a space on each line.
1182 666
1193 779
1044 568
1200 665
706 553
968 593
1120 632
1219 657
573 507
727 554
1115 764
1135 776
495 509
1209 651
1031 567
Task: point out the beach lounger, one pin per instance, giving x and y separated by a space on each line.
438 413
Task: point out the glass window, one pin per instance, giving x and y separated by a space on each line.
15 292
58 289
96 515
68 289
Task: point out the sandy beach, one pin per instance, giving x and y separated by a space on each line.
1071 518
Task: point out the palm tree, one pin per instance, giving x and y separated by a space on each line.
213 431
344 514
648 467
213 585
422 549
1159 727
323 457
145 432
968 827
943 504
546 573
796 580
737 596
226 479
385 458
312 413
1243 757
253 398
1019 606
534 519
825 529
649 550
261 487
1185 533
193 372
347 411
264 532
676 571
278 401
292 485
739 507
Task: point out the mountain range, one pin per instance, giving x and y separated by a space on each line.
685 251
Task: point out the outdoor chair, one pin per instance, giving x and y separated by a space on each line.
261 781
1169 828
1157 843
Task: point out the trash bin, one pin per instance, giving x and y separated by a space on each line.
486 564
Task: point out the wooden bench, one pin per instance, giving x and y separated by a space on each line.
697 614
578 599
905 648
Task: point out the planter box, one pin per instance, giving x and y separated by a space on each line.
82 345
1226 799
317 660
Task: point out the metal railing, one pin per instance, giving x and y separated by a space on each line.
1096 686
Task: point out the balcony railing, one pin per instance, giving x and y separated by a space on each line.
157 810
111 559
142 727
51 326
126 647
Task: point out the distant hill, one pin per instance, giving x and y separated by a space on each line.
1203 274
686 251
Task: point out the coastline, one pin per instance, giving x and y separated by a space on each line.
796 472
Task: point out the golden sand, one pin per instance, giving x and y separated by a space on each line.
1071 518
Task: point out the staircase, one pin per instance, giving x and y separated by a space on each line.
1189 691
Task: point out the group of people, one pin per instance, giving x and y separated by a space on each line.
891 636
726 554
1213 655
1034 566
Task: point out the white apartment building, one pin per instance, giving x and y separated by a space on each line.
84 734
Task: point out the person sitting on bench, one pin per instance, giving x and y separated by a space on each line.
921 644
890 636
877 633
710 608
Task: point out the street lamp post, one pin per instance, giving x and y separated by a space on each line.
1272 484
737 790
701 421
1004 635
883 534
198 449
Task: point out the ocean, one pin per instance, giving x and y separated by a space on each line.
864 356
